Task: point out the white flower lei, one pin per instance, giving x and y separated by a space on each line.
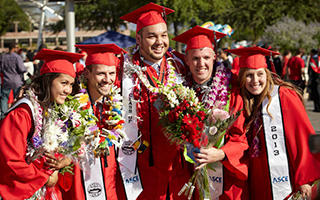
130 69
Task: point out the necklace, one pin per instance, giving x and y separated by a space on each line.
216 95
131 69
38 117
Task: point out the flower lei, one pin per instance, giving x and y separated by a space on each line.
130 69
111 121
217 97
36 138
34 145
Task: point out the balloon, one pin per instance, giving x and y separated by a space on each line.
227 29
208 25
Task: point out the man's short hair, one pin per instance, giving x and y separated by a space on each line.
12 45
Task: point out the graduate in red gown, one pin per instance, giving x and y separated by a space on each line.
204 76
161 170
19 179
100 75
278 131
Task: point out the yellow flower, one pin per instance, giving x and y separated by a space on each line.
83 86
84 98
118 126
112 137
118 105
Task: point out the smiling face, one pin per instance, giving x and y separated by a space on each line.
61 87
153 41
200 62
100 80
256 80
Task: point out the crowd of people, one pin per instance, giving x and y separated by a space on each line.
264 154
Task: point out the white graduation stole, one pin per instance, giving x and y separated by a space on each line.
94 183
127 156
216 178
26 101
276 147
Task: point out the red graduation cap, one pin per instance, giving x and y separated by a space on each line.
198 37
56 61
101 53
252 57
147 15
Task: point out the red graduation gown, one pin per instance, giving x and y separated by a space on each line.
18 180
303 166
76 191
235 170
162 166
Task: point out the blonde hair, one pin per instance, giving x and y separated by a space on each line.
252 103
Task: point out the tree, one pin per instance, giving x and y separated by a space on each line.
189 13
10 12
104 13
253 15
289 34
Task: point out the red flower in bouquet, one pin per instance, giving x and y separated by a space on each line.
174 114
192 129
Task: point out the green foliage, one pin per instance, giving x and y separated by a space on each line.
252 15
10 12
289 34
97 14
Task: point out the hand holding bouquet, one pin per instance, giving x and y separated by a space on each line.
188 122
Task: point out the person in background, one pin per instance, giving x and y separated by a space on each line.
314 80
286 57
161 170
224 59
277 61
99 182
28 63
278 130
296 70
12 68
23 122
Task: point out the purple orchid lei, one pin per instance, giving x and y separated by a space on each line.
217 97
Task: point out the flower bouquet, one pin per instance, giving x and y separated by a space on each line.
216 125
190 123
67 130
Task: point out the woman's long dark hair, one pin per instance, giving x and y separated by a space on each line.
41 86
